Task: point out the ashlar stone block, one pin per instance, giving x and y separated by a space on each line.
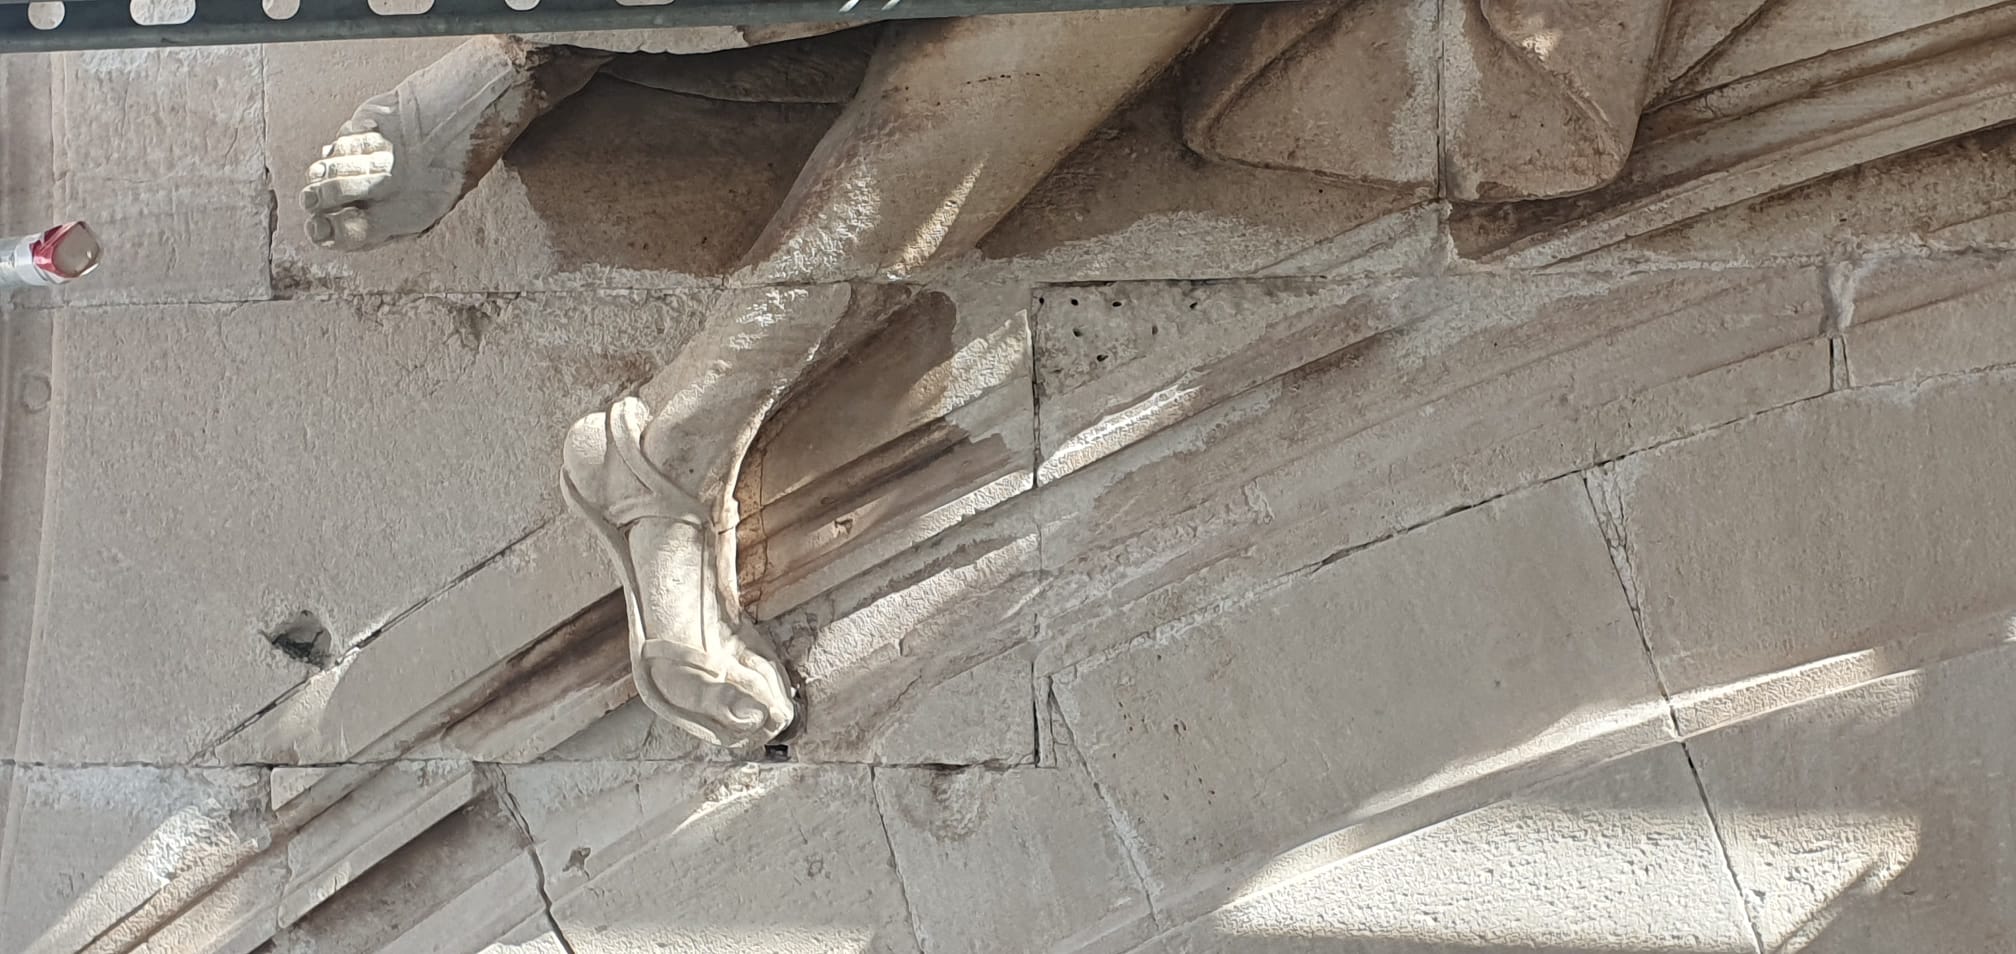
1917 317
1401 684
1865 525
1619 858
1413 399
84 846
230 468
1017 860
692 858
1874 819
163 152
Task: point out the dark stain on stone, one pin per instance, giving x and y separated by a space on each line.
303 638
468 323
640 178
878 390
1138 166
290 280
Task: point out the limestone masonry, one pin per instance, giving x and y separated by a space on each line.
1370 476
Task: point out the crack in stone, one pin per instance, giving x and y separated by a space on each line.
895 864
350 653
1121 830
1837 296
1608 509
501 785
1722 849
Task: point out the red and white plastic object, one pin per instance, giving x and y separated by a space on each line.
64 253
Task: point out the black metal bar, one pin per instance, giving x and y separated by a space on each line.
108 24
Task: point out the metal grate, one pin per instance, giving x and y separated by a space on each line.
109 24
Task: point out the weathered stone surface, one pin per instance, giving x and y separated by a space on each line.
530 942
526 590
1348 90
162 151
1914 318
26 388
1620 858
1788 31
1869 820
461 882
923 419
385 813
84 846
1693 31
1769 134
634 732
1391 688
235 918
1956 194
1868 521
234 467
1119 362
1284 607
27 155
1134 202
926 658
622 187
1540 97
692 858
1024 859
1450 391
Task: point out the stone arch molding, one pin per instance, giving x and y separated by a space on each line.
901 560
1528 115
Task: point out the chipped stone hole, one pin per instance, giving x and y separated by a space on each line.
303 638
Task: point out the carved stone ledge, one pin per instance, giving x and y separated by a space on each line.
1769 132
352 818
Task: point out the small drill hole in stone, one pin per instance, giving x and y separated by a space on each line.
1074 302
304 639
1077 332
1154 329
1116 304
1100 357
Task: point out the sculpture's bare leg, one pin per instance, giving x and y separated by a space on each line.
955 123
407 156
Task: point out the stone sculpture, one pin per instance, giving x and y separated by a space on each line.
954 122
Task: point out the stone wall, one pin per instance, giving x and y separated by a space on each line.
1225 559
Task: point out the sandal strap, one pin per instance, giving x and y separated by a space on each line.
627 419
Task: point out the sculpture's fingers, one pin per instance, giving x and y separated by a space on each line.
337 167
319 230
329 194
353 228
357 144
346 229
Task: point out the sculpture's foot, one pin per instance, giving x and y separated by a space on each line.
406 157
699 663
